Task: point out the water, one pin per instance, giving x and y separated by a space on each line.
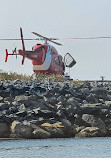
56 148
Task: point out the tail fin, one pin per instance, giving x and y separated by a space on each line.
6 55
23 45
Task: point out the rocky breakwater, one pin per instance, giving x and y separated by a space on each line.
36 109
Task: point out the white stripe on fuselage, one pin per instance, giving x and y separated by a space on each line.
47 62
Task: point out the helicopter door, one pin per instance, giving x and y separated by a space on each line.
69 60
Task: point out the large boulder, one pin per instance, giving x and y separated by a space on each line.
108 130
93 109
71 105
4 130
22 99
93 121
90 132
39 133
56 130
21 130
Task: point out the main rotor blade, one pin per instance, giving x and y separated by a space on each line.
56 43
47 39
17 39
89 38
40 35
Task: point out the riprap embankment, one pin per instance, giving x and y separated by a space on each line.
36 109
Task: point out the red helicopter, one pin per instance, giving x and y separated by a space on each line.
45 58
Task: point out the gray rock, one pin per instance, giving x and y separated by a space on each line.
108 104
53 100
85 102
90 132
4 130
39 133
59 106
66 122
86 91
3 106
94 122
21 130
22 99
55 130
21 113
13 109
22 107
93 109
62 99
72 101
1 99
108 130
78 129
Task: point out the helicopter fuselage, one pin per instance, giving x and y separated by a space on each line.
45 59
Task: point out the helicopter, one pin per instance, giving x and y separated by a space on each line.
44 57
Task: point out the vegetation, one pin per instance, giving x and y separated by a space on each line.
13 76
42 77
51 77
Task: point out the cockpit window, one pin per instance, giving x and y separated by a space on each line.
58 61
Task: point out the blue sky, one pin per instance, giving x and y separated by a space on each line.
61 19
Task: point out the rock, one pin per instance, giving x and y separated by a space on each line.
101 93
94 122
21 130
39 133
59 106
71 106
38 121
61 99
108 130
3 106
86 91
66 108
22 107
22 99
78 129
4 130
93 109
21 113
13 109
56 129
108 104
77 119
66 122
85 102
5 119
56 132
72 101
46 113
90 132
91 98
5 93
53 100
1 99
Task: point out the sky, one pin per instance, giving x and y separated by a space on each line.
59 19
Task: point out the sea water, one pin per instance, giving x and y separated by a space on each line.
56 148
